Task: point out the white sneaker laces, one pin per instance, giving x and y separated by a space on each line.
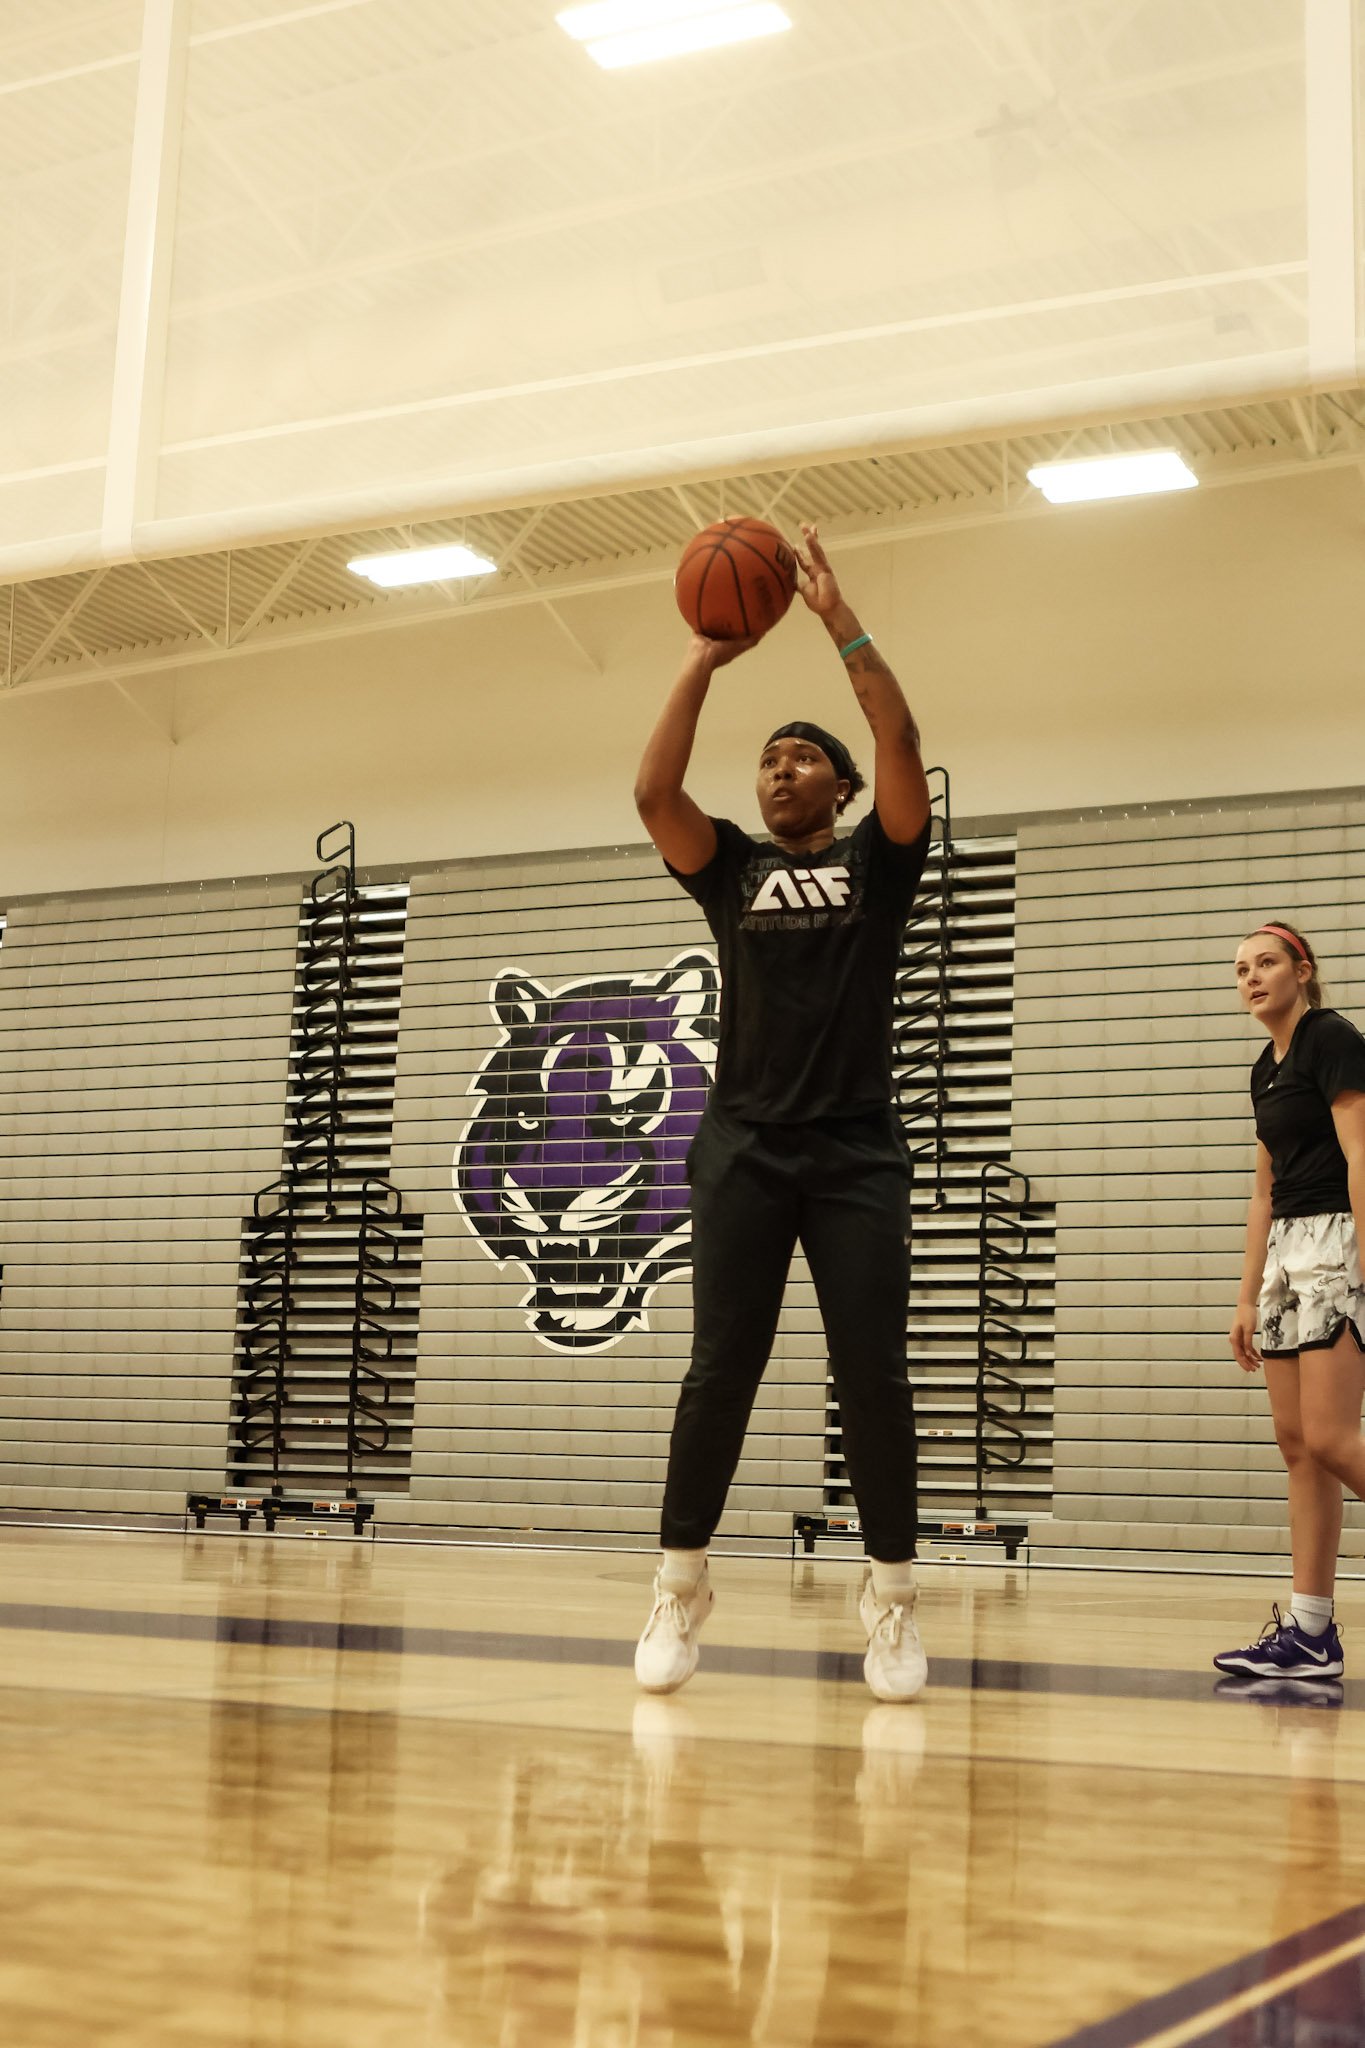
889 1625
670 1608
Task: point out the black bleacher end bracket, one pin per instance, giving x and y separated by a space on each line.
274 1507
808 1529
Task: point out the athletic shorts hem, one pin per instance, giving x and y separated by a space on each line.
1322 1343
1312 1288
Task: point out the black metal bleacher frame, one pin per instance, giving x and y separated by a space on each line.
928 944
312 1187
1002 1341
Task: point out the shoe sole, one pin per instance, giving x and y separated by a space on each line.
893 1699
676 1685
896 1699
1242 1669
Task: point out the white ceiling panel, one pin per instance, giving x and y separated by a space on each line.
68 82
427 252
424 256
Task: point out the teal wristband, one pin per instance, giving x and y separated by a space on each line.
863 640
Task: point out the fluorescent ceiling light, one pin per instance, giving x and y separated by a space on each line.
1113 476
421 565
679 38
622 32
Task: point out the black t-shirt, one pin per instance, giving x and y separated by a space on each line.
1293 1105
809 945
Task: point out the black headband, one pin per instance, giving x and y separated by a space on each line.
802 729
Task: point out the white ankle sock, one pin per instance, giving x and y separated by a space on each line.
682 1570
892 1584
1312 1612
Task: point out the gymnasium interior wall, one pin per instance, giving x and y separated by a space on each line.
144 1038
144 1041
1131 1110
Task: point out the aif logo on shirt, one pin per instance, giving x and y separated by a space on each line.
803 888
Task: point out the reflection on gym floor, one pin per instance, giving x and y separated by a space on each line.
228 1819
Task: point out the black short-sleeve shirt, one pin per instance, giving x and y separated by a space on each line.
809 946
1293 1101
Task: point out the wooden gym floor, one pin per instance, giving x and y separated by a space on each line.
294 1792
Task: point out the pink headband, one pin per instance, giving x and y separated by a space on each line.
1278 931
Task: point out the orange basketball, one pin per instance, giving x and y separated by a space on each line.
736 577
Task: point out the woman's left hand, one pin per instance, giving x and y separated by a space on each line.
817 582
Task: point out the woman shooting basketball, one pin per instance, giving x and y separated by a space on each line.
799 1141
1301 1280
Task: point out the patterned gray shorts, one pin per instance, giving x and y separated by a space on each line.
1312 1287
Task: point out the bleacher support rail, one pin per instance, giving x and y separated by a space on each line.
1003 1291
317 1187
921 1030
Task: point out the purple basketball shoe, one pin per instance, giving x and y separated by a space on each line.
1284 1651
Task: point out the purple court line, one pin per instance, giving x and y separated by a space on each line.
1342 1984
842 1667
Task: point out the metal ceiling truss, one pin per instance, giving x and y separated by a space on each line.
115 623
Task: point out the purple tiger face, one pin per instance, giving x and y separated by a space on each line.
573 1165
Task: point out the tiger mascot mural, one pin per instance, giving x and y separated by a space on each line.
573 1166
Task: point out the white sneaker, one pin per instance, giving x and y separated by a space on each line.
895 1665
666 1654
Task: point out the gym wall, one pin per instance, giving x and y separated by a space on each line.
1131 1063
143 1050
145 1040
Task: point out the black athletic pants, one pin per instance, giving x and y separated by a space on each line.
841 1187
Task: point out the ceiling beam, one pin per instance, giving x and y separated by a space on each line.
61 626
1329 124
1157 290
192 620
276 591
144 302
1010 503
512 560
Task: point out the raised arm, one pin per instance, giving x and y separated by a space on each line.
899 789
1242 1335
679 827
